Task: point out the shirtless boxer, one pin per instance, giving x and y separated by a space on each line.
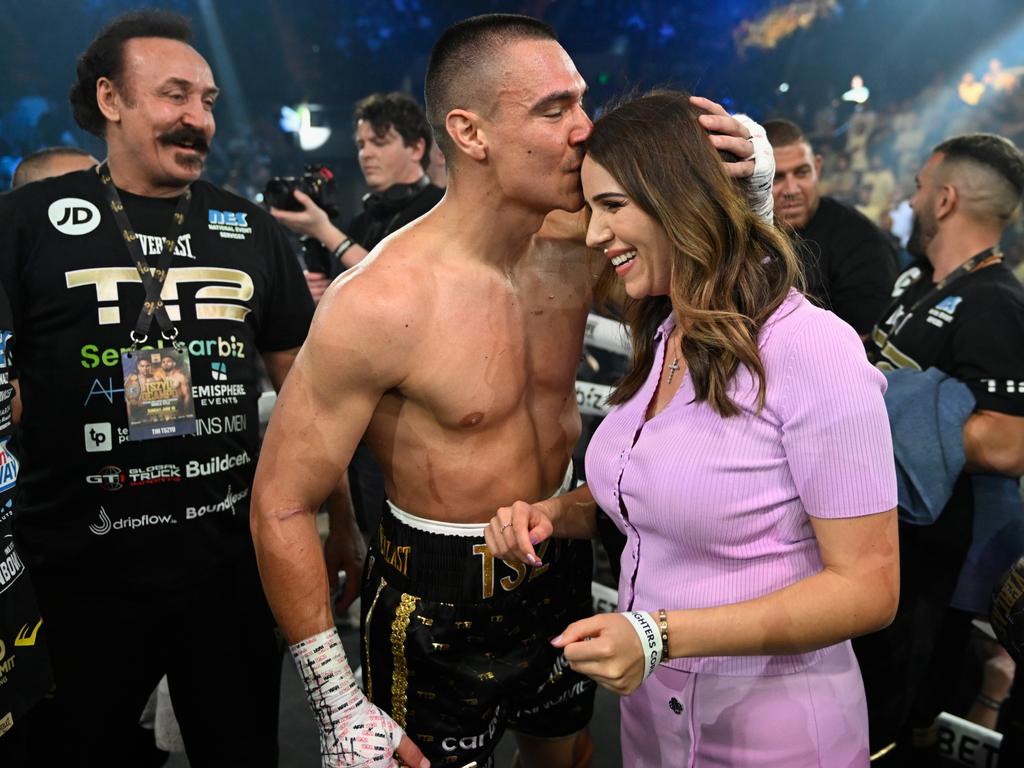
454 347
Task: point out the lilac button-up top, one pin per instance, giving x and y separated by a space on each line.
717 510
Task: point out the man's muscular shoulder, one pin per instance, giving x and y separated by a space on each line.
377 311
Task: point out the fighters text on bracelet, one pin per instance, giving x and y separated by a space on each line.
650 639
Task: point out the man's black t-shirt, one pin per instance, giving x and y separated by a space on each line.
380 220
94 507
971 330
849 263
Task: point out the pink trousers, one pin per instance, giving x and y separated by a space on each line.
816 718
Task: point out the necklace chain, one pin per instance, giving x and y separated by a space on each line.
673 367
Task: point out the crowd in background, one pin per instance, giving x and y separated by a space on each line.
870 151
871 154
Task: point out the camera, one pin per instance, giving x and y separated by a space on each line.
317 181
315 256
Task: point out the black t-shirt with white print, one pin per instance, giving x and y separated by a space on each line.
24 659
971 330
93 505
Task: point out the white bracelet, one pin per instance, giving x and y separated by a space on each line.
650 639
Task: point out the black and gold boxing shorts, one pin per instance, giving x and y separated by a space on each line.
455 643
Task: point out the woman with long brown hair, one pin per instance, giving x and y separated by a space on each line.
747 460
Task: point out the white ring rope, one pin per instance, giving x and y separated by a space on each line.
607 334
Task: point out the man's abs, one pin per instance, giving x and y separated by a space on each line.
463 475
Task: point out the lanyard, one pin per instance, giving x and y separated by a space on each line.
962 271
152 279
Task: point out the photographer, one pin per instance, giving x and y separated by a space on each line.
393 139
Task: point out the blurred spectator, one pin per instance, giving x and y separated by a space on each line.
998 78
909 133
882 183
970 90
862 123
866 203
51 161
394 141
849 263
841 182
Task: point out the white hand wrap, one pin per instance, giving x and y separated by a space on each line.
650 639
759 185
353 732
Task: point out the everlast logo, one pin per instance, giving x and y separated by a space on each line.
73 216
396 557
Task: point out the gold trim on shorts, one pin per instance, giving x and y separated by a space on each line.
400 675
367 678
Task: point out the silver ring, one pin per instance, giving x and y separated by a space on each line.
506 525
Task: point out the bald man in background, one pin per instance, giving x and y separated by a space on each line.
51 161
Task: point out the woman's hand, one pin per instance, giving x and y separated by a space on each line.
514 531
607 649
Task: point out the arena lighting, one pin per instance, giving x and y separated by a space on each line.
776 24
783 87
858 92
299 121
227 74
1006 48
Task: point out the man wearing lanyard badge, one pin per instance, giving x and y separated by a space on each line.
142 300
961 310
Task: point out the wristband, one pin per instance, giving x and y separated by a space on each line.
343 246
352 730
988 702
650 639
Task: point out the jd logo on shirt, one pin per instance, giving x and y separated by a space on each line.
74 216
